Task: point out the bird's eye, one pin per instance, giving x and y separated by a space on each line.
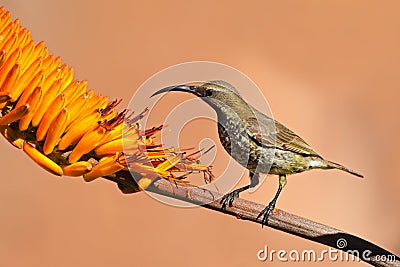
209 92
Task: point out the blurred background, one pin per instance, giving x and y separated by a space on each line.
330 72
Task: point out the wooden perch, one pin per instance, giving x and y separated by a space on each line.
280 220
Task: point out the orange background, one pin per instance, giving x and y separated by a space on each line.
330 71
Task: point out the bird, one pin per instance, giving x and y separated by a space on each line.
256 141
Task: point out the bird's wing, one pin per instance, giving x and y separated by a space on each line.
268 132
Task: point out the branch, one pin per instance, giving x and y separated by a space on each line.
280 220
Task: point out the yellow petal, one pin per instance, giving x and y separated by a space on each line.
113 134
78 130
48 117
34 102
70 90
67 76
96 102
10 80
14 115
109 148
25 52
24 37
75 108
8 64
115 146
51 80
48 98
10 43
88 142
42 160
105 167
35 82
48 63
57 128
77 169
39 50
26 78
5 20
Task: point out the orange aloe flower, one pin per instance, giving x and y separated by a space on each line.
69 130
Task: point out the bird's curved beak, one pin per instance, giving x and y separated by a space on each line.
188 88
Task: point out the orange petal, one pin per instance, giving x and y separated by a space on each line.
14 115
42 160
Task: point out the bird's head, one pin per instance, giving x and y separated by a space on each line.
215 93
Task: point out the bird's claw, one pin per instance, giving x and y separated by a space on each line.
228 199
266 212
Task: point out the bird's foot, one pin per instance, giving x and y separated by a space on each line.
229 198
266 212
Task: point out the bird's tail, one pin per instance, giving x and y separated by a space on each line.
333 165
